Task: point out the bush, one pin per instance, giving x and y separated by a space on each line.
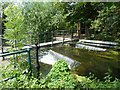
93 82
59 76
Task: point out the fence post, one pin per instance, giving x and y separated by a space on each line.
63 37
1 31
31 37
38 37
79 33
1 42
44 36
37 60
29 61
67 33
55 34
52 37
71 34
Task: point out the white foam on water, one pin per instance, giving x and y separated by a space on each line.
48 59
51 57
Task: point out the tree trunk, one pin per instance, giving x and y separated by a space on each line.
78 30
86 31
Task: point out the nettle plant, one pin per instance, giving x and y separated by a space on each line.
13 24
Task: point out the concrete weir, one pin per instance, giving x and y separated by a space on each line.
89 47
53 57
95 44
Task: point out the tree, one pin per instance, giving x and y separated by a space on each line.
79 14
41 17
107 23
13 24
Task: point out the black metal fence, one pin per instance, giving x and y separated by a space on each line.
49 36
39 37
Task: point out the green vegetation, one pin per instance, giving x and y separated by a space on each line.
42 17
107 24
25 22
93 82
13 23
101 19
58 77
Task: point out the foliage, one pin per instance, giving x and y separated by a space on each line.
13 23
107 24
83 12
59 76
33 18
42 17
93 82
21 80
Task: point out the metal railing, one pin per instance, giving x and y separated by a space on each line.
47 36
18 52
53 34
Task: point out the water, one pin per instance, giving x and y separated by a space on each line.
97 62
51 57
47 58
80 61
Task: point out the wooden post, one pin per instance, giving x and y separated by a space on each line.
55 32
79 32
44 37
1 44
52 37
71 34
63 37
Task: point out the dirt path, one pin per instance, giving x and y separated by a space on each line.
3 63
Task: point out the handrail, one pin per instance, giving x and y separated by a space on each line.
18 52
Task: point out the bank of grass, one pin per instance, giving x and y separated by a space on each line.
58 77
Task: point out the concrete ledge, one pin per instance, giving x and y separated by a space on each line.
98 42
